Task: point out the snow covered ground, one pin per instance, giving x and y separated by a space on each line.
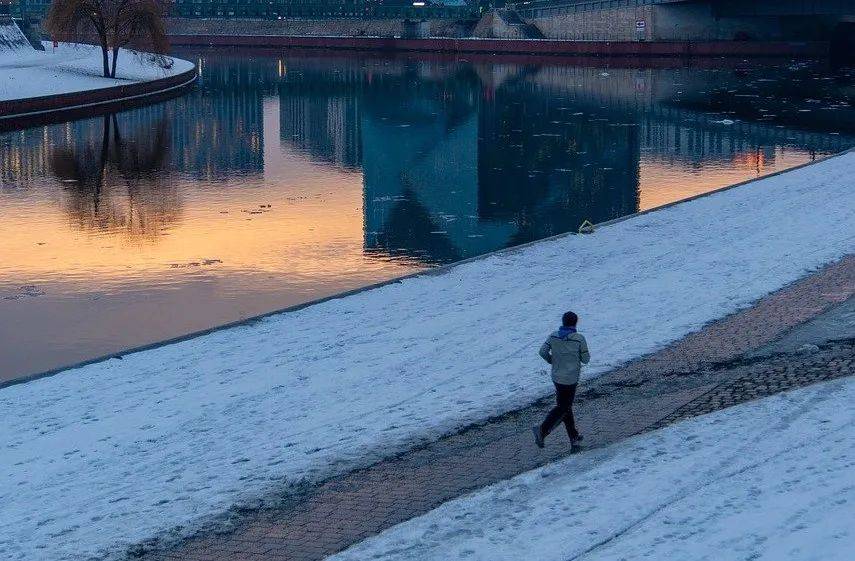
12 39
119 451
772 479
71 68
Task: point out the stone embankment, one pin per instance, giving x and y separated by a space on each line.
505 24
40 110
497 32
66 82
318 27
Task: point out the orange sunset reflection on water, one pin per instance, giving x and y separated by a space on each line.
264 189
662 182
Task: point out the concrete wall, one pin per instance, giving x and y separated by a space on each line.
486 26
493 26
695 22
15 112
317 28
698 22
12 40
676 22
616 24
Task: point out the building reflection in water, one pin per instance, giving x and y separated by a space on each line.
457 158
448 174
219 125
283 179
460 159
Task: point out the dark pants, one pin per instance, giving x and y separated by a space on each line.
563 411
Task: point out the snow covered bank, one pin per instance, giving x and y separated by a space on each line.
119 451
72 68
771 479
13 40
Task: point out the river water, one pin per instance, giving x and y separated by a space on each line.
285 177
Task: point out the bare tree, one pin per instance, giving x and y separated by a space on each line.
113 24
139 25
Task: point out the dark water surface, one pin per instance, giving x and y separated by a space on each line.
285 177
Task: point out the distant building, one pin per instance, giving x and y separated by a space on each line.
278 9
270 8
29 9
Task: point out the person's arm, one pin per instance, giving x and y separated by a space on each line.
546 351
584 355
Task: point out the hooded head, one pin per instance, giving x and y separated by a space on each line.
569 319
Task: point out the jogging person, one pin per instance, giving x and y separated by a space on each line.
566 350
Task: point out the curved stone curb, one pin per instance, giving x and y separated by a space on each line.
72 101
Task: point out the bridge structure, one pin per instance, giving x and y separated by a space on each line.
785 7
691 20
720 7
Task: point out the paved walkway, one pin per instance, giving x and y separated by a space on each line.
696 375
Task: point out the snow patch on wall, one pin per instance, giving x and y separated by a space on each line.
12 39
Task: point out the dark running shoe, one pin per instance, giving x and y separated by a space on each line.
538 436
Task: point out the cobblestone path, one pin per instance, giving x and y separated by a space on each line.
760 378
701 373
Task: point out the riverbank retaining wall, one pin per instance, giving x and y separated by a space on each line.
625 31
331 27
17 113
617 24
694 22
505 24
527 47
12 39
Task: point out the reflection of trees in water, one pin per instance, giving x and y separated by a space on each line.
119 185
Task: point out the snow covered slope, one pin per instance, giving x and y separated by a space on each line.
12 40
69 67
770 480
122 450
